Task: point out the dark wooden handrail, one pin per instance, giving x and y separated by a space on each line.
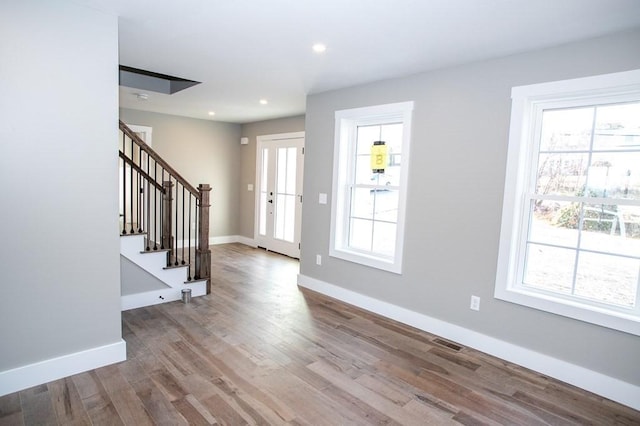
142 144
137 168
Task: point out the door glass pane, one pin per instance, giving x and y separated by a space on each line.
264 207
280 207
291 170
285 217
286 194
289 217
607 279
281 172
263 213
265 169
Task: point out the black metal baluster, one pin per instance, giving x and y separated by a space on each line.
155 207
183 218
175 253
124 187
139 201
162 212
189 252
196 273
147 196
131 188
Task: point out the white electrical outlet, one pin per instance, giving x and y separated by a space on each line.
318 259
475 303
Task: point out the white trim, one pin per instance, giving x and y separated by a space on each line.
38 373
226 239
528 103
155 297
247 241
346 123
592 381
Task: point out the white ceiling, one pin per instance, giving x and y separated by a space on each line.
245 50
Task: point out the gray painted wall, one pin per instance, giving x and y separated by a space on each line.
248 163
459 147
60 270
202 151
134 279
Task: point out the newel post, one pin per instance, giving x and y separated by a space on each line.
203 254
167 238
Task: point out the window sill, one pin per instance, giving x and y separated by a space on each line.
385 264
601 316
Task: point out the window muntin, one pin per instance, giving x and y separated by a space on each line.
579 244
570 240
368 211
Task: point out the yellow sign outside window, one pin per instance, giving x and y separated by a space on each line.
378 157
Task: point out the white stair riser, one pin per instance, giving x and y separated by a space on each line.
131 247
153 262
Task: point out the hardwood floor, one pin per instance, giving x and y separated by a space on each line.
258 350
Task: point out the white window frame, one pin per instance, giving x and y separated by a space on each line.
346 124
528 102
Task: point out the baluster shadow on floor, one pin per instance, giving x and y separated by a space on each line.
259 350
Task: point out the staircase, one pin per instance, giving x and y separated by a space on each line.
164 225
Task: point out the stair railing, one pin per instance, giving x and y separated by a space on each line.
158 202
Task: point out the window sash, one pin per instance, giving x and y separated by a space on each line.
528 104
531 195
345 183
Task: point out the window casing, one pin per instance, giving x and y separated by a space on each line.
367 221
570 238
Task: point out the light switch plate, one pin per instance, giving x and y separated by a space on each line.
250 187
322 198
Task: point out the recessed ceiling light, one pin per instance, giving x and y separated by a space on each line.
263 101
319 47
212 113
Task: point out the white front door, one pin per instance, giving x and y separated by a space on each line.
279 171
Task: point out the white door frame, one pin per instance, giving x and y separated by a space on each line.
261 140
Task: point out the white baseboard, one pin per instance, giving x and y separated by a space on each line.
155 297
247 241
56 368
592 381
232 239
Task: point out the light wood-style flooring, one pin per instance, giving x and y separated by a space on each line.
259 350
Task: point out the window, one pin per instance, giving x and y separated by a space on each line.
370 179
570 241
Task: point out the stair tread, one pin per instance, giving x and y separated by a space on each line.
155 251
